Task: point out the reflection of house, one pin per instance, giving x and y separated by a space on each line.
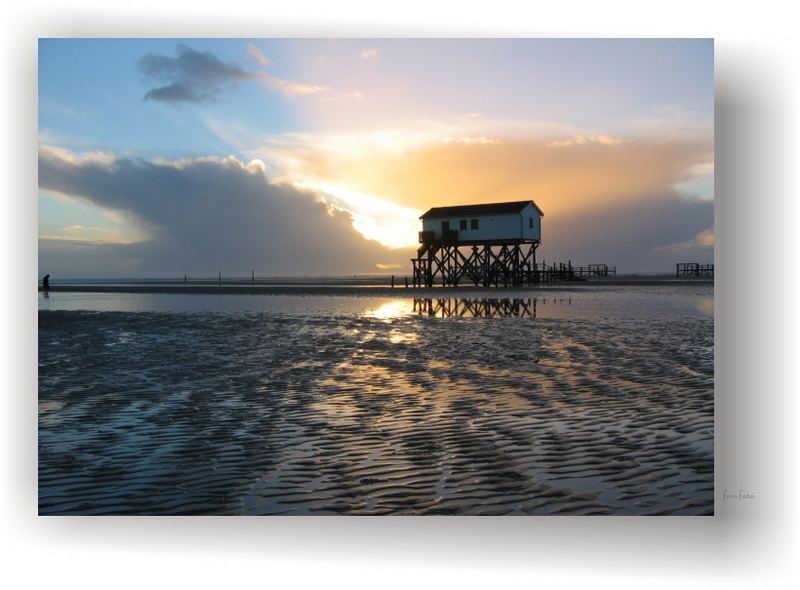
476 308
495 223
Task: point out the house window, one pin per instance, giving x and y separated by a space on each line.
530 222
473 224
462 225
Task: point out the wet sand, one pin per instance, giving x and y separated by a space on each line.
366 288
384 412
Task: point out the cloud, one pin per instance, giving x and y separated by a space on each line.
697 182
619 199
616 198
195 76
191 76
471 140
581 139
704 240
206 214
419 174
93 234
633 236
258 55
341 96
368 54
382 266
287 86
89 259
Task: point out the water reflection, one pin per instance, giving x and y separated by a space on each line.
482 308
587 304
391 309
706 306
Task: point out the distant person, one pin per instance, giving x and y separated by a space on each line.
406 279
46 284
392 281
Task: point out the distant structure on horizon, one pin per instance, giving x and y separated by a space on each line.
488 244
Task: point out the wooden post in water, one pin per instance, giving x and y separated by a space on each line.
220 278
252 276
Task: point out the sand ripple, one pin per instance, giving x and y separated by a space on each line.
267 413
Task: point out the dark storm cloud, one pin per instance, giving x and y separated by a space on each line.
644 235
177 93
195 76
192 76
208 214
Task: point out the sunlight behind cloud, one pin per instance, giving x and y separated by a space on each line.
613 139
377 219
386 177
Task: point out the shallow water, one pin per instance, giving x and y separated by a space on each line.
599 402
586 302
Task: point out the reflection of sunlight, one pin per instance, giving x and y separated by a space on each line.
397 337
706 306
391 309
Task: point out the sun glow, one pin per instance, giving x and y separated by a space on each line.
390 224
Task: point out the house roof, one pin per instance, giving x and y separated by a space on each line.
484 209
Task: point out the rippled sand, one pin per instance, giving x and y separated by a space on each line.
296 413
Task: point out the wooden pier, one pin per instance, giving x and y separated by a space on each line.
450 264
596 270
694 269
494 265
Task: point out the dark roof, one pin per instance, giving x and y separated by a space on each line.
485 209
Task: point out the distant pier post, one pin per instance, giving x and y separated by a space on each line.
219 280
252 276
185 279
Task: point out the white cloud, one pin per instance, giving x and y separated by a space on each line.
471 140
703 240
82 234
584 139
287 87
368 54
698 182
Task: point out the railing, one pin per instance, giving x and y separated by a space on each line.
694 269
449 237
568 272
427 237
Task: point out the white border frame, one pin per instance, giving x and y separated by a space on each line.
750 543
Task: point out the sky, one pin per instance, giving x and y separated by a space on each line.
292 157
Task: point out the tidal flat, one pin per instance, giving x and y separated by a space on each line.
595 401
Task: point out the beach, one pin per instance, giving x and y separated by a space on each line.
570 400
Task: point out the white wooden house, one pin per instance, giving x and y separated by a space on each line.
516 222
